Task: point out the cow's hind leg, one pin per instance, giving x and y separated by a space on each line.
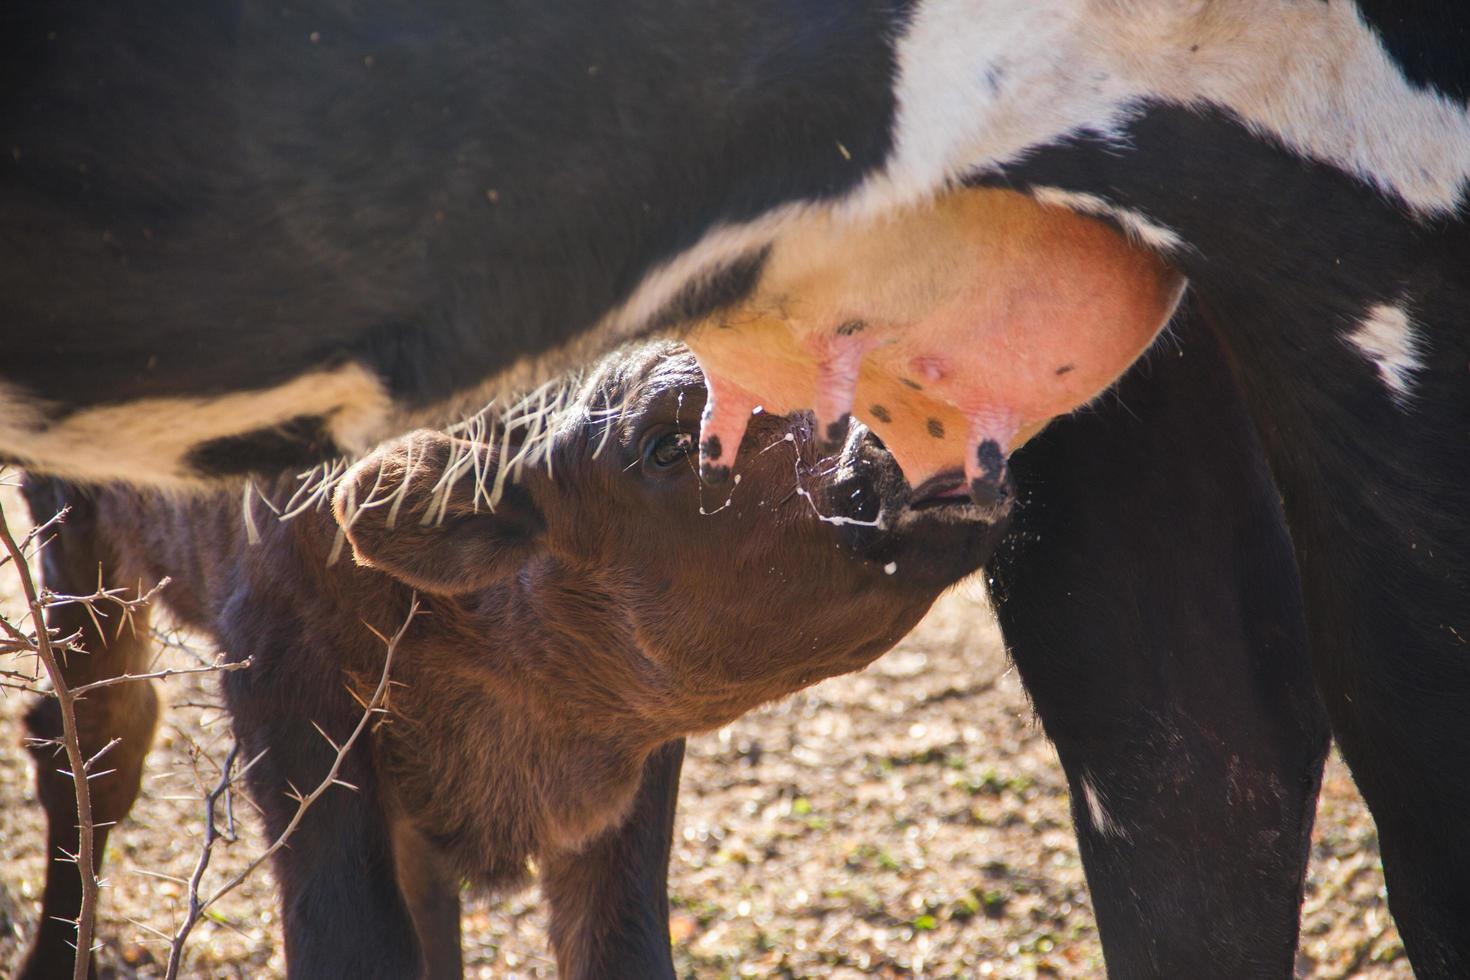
72 564
1379 506
1401 715
1150 599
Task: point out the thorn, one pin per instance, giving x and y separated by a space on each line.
322 732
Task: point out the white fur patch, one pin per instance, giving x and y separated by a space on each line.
983 81
158 433
1387 338
1317 78
1134 225
1102 821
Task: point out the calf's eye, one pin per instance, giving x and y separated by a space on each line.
670 449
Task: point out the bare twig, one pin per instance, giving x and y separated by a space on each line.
198 905
35 533
173 639
211 834
219 666
87 916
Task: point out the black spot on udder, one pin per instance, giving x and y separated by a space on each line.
992 487
851 327
992 461
709 470
299 442
912 384
880 413
936 428
1064 369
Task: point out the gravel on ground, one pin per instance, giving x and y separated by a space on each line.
907 821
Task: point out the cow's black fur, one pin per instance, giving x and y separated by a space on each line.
203 198
1149 598
209 197
1376 493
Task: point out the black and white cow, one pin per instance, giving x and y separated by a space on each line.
238 237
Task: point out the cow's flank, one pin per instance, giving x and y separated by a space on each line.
461 198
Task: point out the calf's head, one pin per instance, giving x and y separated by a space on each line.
663 603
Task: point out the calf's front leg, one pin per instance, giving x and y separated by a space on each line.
431 890
609 902
343 912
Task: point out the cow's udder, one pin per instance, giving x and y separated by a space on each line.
955 331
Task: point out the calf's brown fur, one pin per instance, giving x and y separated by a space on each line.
609 605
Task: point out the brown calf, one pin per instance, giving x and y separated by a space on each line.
608 606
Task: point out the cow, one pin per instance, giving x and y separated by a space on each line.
565 641
240 238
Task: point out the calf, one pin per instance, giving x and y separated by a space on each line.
608 605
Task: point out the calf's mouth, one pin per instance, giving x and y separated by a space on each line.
930 535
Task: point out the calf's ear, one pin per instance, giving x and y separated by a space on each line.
418 509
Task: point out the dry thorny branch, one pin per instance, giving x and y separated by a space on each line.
47 651
198 905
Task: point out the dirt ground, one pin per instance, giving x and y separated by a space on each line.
910 820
